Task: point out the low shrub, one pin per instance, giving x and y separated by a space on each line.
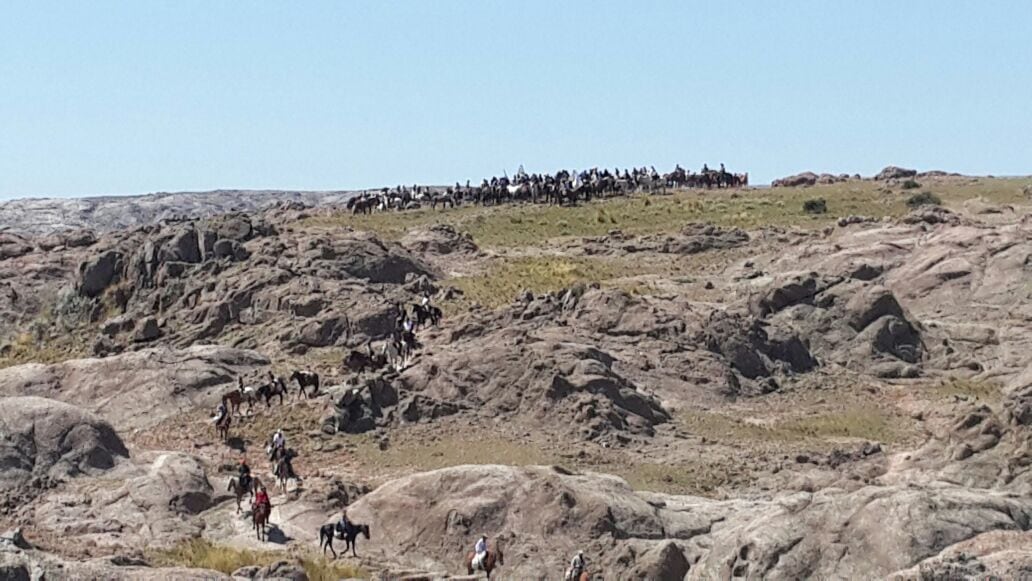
815 206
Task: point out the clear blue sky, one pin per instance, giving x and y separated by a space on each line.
137 96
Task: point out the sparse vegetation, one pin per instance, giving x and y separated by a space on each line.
203 554
910 185
502 283
857 421
923 199
988 391
697 479
815 206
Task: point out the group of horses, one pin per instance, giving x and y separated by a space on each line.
273 387
560 188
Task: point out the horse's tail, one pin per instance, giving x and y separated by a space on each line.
232 485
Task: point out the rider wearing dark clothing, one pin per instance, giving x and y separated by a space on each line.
245 474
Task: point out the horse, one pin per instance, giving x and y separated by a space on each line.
260 518
359 361
492 560
426 313
285 471
233 399
239 490
274 388
222 427
306 379
349 533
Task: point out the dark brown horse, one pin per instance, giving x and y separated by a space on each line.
274 388
260 518
306 379
239 490
358 361
492 560
233 399
222 427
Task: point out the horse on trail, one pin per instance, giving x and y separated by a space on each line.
260 518
222 427
233 399
427 313
492 560
274 388
349 533
239 490
306 379
359 361
284 471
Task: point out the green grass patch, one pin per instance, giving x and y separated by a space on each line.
203 554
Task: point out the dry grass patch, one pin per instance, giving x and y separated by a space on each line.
504 281
697 479
988 391
203 554
858 421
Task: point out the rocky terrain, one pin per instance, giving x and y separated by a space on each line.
108 213
705 385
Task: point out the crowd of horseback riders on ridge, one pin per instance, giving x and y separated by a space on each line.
562 187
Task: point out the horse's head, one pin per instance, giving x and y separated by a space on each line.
365 530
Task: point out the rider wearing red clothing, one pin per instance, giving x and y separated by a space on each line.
262 498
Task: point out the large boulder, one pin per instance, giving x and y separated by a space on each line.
555 383
137 389
439 240
13 246
323 332
895 173
97 274
803 179
175 481
50 440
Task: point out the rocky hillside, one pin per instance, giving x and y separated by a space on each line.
43 216
695 386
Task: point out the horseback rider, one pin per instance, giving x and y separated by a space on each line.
480 552
344 524
705 168
262 498
279 443
577 566
245 474
220 413
425 301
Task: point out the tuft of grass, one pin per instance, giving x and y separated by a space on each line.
910 185
923 199
203 554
